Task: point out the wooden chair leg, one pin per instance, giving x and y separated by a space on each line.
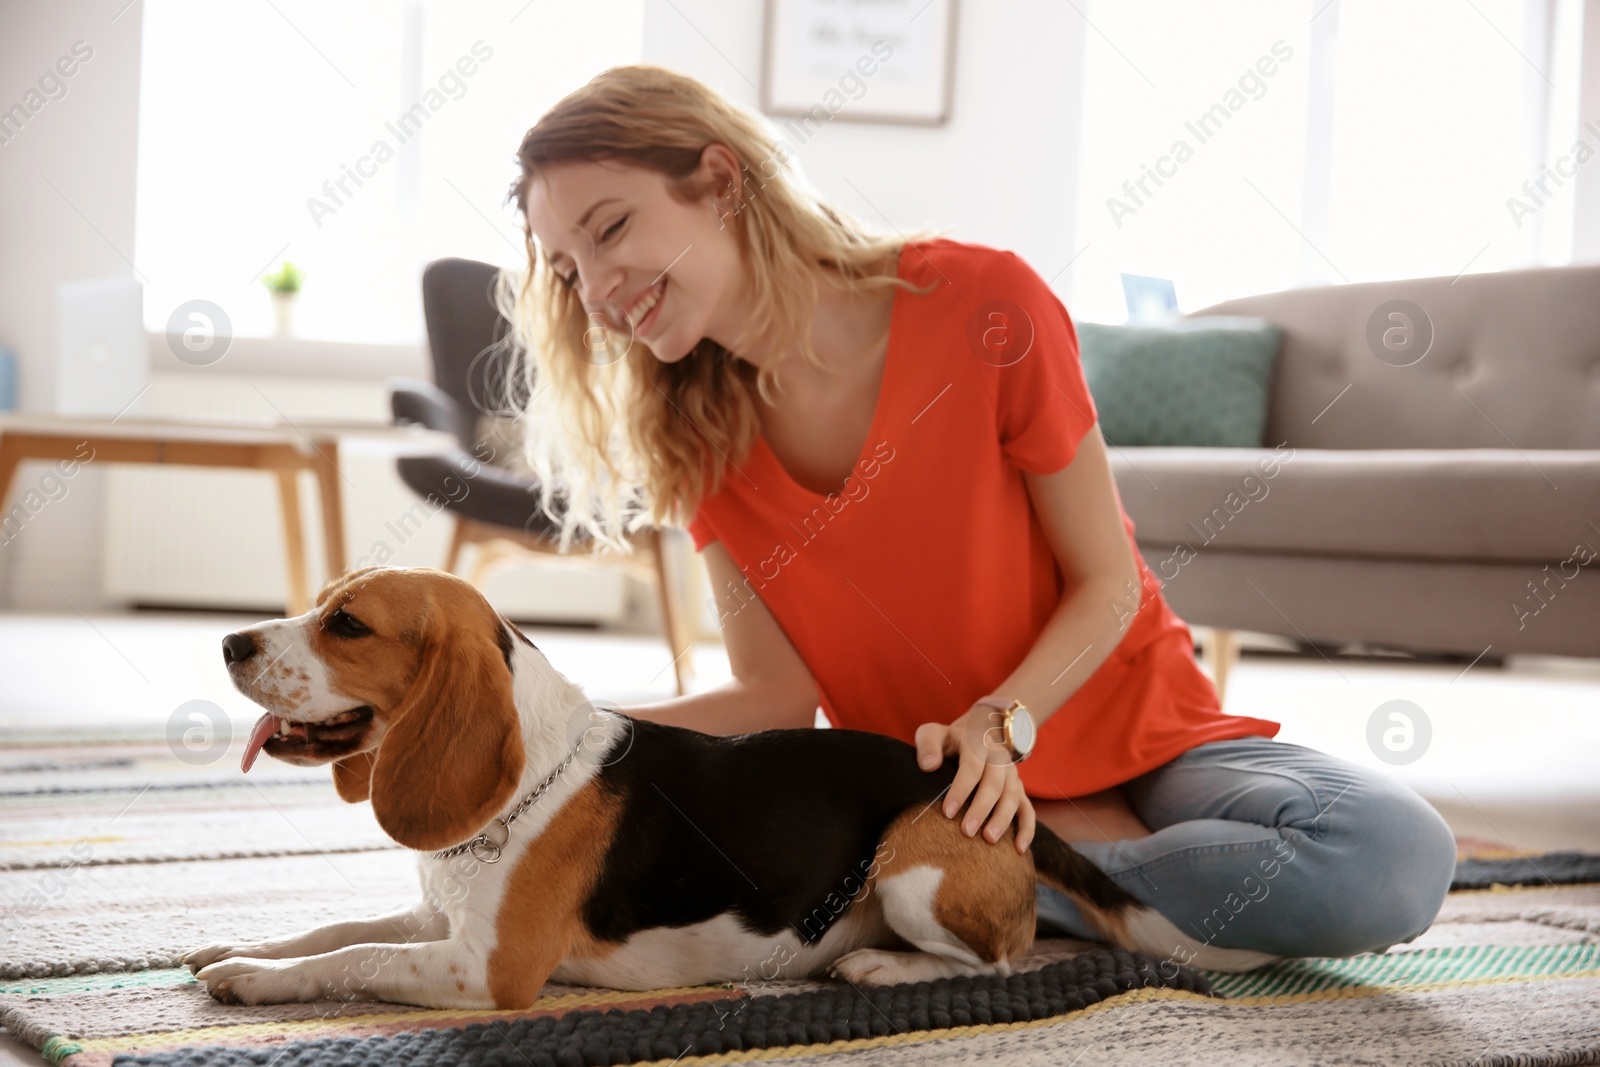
1222 655
489 554
675 622
458 541
294 545
695 586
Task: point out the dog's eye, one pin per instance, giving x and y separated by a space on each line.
344 624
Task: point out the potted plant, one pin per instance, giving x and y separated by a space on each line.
284 285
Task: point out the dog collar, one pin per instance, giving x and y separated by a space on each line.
487 848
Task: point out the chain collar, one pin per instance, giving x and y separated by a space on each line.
487 848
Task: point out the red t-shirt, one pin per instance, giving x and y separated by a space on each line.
921 584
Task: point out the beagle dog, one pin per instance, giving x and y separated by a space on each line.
560 842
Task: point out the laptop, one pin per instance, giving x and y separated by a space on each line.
102 363
1149 299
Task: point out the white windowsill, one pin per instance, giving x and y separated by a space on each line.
297 357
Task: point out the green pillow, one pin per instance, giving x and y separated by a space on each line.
1201 381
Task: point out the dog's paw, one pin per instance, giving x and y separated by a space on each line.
869 966
241 980
209 954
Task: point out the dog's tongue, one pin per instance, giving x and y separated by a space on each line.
264 728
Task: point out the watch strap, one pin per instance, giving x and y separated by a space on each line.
1003 704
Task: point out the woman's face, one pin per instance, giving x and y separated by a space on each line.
615 232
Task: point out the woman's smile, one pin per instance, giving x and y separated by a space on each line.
646 310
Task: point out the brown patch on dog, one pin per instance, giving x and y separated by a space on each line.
452 758
352 776
1103 903
539 922
986 897
338 582
449 755
1113 925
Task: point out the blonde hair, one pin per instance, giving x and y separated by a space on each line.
623 441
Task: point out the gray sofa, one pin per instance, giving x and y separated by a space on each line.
1447 504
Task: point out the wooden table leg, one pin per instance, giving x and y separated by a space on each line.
293 540
679 629
10 460
325 463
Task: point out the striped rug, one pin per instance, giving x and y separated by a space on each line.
114 860
130 801
1423 969
1531 996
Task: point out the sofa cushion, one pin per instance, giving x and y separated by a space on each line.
1194 382
1421 605
1440 504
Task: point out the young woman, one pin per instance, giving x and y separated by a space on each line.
887 456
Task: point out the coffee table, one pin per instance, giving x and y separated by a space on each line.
282 447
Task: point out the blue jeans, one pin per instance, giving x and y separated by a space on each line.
1259 844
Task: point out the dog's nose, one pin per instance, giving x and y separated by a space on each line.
236 648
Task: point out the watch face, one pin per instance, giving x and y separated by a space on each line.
1022 731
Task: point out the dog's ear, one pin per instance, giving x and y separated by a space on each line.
451 756
352 776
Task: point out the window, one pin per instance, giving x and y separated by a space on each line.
359 140
1194 144
1348 140
1439 118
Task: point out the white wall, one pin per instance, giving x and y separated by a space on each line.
66 212
1002 171
1586 209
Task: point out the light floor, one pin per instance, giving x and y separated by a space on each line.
1511 757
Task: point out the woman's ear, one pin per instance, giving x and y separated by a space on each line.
451 756
352 776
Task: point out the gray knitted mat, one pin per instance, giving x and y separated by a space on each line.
1525 1024
1544 868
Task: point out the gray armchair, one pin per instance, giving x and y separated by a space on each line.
496 508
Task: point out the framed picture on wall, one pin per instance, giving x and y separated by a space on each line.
887 61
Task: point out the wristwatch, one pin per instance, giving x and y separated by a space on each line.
1017 728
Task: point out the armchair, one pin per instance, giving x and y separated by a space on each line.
495 508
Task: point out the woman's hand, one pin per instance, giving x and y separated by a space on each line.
985 765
